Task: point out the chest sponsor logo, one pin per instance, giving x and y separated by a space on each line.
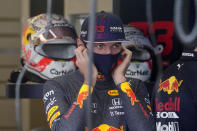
173 104
105 127
170 85
113 92
116 113
170 126
167 115
117 104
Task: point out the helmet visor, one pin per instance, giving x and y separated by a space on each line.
57 49
59 32
140 53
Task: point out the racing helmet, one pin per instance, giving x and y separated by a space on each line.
138 42
48 46
142 54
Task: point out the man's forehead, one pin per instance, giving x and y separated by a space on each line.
108 43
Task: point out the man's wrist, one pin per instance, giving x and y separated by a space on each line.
93 82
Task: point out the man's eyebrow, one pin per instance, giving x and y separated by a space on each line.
99 43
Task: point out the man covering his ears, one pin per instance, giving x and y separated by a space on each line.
116 105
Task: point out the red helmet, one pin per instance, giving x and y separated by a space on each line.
142 50
49 48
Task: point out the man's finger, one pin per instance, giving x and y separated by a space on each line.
79 53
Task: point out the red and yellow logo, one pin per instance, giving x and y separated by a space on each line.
113 92
100 77
83 93
105 127
54 117
170 85
125 87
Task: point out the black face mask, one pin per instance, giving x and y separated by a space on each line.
105 63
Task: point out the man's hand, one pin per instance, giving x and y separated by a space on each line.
82 64
119 73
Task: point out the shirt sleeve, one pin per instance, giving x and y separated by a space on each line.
62 113
138 113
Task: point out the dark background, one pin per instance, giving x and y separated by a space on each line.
40 6
134 11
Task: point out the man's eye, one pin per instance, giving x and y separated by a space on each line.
100 46
116 46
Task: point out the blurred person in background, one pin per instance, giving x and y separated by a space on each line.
175 101
143 65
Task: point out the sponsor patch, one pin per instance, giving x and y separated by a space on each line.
100 29
52 101
54 117
170 126
46 95
173 104
113 92
116 113
170 85
105 127
188 54
167 115
51 111
115 29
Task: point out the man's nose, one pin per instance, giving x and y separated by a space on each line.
108 51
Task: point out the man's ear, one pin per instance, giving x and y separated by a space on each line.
195 49
80 43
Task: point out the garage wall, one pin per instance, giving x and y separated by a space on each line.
10 28
76 10
9 38
83 6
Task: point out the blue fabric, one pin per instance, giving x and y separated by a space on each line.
108 27
105 63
